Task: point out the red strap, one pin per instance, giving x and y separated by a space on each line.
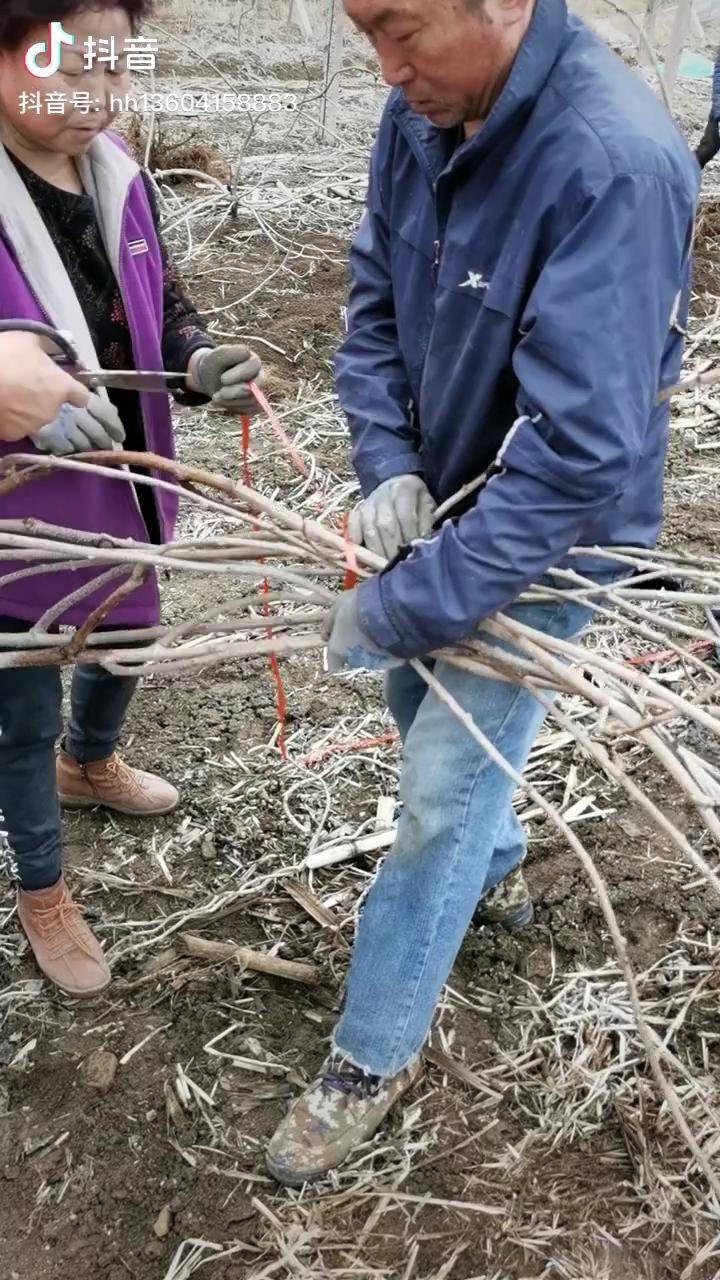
282 435
667 655
351 565
281 707
362 744
247 473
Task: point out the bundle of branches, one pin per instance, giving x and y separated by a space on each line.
308 563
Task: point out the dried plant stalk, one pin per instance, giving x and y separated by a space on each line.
309 560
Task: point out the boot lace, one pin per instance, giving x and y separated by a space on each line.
116 771
62 928
350 1080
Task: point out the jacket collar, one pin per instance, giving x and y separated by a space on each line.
108 173
39 260
532 66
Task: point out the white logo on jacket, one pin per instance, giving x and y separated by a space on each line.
475 281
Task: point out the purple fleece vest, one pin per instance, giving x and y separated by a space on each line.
87 502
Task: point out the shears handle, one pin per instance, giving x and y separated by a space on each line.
66 353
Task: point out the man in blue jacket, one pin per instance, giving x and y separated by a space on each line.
520 279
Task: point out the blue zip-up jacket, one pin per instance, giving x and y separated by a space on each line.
516 308
715 110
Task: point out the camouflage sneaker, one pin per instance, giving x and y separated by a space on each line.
508 904
340 1110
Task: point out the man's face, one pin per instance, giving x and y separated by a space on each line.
84 87
450 58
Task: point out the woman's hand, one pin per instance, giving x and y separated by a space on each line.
223 374
32 387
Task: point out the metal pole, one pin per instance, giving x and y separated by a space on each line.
649 27
333 69
678 40
298 11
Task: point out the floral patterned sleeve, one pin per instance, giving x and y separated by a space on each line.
183 330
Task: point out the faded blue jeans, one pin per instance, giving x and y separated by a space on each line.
30 725
458 836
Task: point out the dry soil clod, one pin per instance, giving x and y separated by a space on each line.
99 1070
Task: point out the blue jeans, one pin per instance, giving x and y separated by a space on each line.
30 725
458 836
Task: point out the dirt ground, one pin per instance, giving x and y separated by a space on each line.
105 1184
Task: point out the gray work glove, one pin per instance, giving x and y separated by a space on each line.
709 144
98 426
348 644
398 511
223 374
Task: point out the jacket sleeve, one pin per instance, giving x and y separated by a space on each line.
370 374
588 369
715 109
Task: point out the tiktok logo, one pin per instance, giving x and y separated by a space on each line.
58 37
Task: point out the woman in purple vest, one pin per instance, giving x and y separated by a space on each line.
80 249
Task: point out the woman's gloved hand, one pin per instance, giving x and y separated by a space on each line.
223 374
709 144
98 426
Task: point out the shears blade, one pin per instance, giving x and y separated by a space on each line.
131 380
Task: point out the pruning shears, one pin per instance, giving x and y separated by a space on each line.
67 357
